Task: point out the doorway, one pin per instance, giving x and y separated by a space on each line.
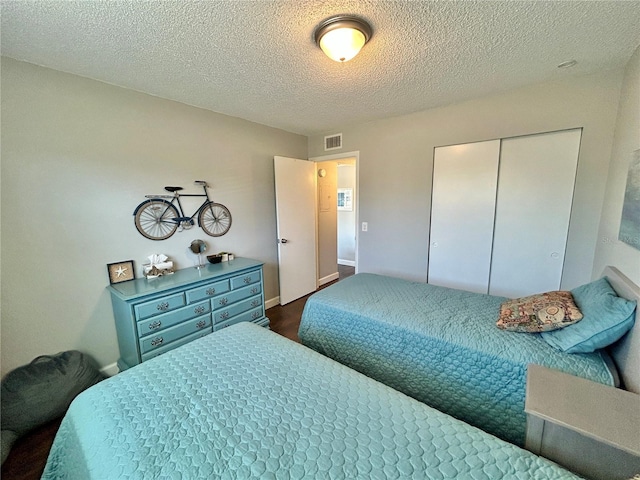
337 215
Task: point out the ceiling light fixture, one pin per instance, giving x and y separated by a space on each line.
342 37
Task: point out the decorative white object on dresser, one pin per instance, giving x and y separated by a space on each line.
587 427
158 315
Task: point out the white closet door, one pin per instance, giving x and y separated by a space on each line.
535 192
462 214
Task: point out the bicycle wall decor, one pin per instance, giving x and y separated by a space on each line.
160 216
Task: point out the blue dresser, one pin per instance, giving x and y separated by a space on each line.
157 315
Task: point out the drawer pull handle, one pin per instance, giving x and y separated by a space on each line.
255 290
255 303
211 291
247 279
224 315
224 301
201 324
163 306
157 341
155 325
255 315
199 309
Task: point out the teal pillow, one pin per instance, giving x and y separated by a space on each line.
606 318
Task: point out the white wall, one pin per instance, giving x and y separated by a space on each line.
77 157
347 219
396 162
327 222
610 250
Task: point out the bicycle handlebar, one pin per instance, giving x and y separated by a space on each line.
200 183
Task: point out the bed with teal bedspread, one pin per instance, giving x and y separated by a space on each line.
247 403
438 345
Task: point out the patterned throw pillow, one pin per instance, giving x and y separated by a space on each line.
539 313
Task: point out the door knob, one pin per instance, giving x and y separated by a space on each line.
283 240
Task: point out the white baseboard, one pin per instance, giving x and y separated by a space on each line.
271 302
110 370
348 263
328 278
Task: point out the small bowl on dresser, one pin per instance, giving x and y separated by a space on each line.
214 258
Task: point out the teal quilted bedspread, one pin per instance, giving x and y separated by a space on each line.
247 403
438 345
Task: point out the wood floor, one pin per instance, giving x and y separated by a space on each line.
29 454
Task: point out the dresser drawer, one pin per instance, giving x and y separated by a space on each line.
232 310
166 320
235 296
154 316
246 279
207 291
184 340
249 316
160 339
158 306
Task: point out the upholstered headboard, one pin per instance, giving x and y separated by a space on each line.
626 352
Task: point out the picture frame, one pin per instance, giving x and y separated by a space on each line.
121 271
630 219
345 199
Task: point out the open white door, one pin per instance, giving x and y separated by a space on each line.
295 181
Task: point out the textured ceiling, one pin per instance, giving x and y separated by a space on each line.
257 59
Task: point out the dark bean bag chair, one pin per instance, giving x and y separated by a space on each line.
37 393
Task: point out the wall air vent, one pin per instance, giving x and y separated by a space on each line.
333 142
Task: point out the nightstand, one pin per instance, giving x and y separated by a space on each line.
589 428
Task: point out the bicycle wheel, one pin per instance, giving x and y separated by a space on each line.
215 219
155 219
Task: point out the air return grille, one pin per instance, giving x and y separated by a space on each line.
333 142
